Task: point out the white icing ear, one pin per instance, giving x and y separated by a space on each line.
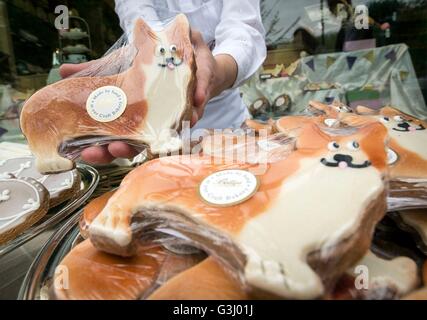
392 156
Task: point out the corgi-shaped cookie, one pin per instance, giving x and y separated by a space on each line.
407 154
205 281
95 275
383 279
110 277
289 232
317 112
332 110
158 88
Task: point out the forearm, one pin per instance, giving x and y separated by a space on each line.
226 74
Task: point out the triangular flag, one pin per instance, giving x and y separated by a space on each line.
2 131
310 64
350 61
330 61
391 55
370 56
404 75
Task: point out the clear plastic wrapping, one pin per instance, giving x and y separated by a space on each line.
140 93
406 150
282 228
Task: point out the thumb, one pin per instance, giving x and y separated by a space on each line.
68 69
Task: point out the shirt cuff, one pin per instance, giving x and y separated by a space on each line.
241 57
248 58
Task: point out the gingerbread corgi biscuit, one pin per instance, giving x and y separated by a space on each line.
332 110
375 278
247 220
23 202
144 104
61 186
205 281
407 154
95 275
91 211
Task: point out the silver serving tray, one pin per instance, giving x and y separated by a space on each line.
41 272
89 181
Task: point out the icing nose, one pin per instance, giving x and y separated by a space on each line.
404 125
343 158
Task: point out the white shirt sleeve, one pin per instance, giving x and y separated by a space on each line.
129 10
240 34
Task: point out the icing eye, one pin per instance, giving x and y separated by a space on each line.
353 145
173 48
160 51
385 119
333 146
398 119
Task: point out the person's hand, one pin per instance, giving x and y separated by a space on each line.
214 74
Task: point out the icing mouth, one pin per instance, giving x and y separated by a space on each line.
344 161
406 127
171 63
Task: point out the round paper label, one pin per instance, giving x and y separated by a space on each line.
391 156
106 104
330 122
228 187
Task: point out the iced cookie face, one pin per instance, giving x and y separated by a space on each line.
400 122
345 153
408 151
170 57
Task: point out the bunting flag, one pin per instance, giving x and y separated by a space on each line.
391 55
310 64
330 61
370 56
404 75
350 61
368 98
